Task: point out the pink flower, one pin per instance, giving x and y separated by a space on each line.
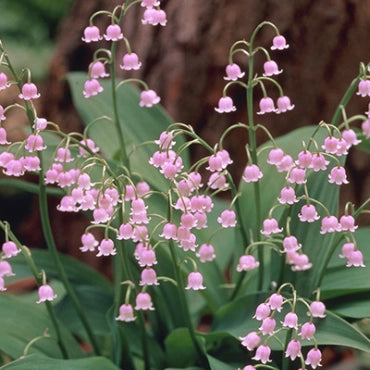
338 175
364 88
225 105
106 248
347 223
271 68
147 257
2 117
6 269
206 253
148 277
266 105
329 224
10 249
252 173
29 91
149 3
330 145
308 213
227 218
144 302
35 143
276 302
308 330
350 137
284 104
247 263
268 326
169 231
40 124
304 159
46 293
291 320
113 33
262 311
270 226
63 155
91 33
317 309
217 181
286 164
130 61
90 144
291 244
301 262
365 126
97 70
293 349
342 147
347 248
2 285
318 162
251 340
355 258
15 167
263 354
154 17
3 134
126 313
89 243
297 176
275 156
148 98
91 88
195 281
313 358
233 72
279 43
3 81
287 195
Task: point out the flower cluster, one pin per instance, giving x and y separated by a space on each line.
300 328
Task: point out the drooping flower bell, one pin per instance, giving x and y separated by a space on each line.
148 98
262 354
113 33
195 281
279 43
91 33
97 70
266 105
130 61
46 293
126 313
251 340
29 91
283 104
91 88
225 105
10 249
233 72
3 81
271 68
144 302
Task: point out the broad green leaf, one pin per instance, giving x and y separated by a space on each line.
216 364
138 124
36 361
21 322
180 351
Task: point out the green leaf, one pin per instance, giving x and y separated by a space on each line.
180 351
20 322
36 361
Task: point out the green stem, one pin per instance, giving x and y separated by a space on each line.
185 307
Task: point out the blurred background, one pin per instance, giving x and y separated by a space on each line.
185 62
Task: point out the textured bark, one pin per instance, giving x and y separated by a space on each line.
184 62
